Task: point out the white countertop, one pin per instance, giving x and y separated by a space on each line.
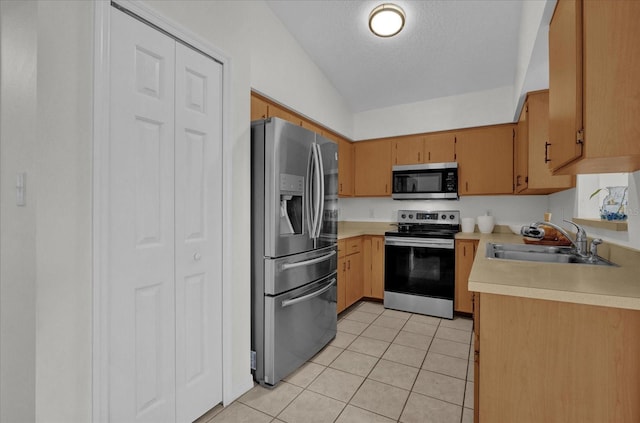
576 283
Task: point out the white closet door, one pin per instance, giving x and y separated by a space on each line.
198 233
141 224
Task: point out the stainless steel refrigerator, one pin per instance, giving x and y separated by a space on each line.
294 256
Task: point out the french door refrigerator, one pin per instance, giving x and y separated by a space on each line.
294 192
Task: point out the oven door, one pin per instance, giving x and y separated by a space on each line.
420 266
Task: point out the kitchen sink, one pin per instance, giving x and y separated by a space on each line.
541 253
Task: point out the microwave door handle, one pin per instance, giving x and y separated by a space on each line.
321 194
288 266
287 303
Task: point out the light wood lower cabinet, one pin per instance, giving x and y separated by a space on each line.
551 361
373 272
465 253
350 277
354 281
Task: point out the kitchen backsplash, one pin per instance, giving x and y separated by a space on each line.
507 209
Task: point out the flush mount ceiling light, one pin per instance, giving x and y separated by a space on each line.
386 20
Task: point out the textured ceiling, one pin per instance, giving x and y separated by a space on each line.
447 47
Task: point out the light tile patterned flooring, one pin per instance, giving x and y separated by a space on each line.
383 366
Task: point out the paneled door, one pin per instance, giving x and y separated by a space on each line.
164 314
198 209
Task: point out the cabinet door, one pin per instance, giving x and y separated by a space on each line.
355 281
465 253
408 150
342 284
521 151
485 160
311 126
366 264
439 148
275 111
377 267
611 84
345 168
259 108
565 83
539 178
373 168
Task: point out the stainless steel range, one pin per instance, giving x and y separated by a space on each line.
420 262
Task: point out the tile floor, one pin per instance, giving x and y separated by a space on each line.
383 366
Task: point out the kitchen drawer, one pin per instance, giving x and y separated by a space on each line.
341 248
353 245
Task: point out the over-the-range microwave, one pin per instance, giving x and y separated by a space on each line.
425 181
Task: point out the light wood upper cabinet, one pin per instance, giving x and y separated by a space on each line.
465 253
565 83
425 148
259 108
372 168
345 168
439 147
485 160
531 175
408 150
594 85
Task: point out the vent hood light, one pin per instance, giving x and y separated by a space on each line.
386 20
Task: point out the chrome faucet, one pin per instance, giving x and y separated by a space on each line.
579 244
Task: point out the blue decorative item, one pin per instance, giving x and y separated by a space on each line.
614 205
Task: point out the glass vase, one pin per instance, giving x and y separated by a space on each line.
614 205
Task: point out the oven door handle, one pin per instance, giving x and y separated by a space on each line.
287 303
420 243
293 265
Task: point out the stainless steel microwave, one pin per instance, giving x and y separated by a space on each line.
425 181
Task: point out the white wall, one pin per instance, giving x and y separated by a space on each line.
281 70
567 204
506 209
18 224
460 111
63 218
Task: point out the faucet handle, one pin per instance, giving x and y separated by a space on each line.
594 246
581 234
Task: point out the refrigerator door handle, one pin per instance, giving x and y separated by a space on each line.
316 191
321 193
308 194
288 266
287 303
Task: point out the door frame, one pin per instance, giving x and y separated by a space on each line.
100 199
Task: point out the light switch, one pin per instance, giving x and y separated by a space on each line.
21 181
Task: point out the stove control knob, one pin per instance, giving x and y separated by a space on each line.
410 216
444 217
452 217
404 216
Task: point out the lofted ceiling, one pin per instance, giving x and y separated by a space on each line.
447 47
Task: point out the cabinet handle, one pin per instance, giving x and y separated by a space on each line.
386 188
464 250
429 156
419 154
518 180
349 265
546 152
340 186
466 186
344 266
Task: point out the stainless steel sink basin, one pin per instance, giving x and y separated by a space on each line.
540 253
